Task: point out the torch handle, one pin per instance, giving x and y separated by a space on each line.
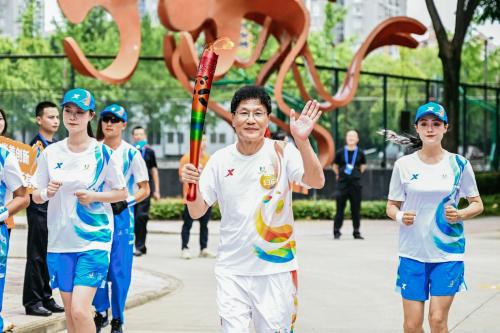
191 195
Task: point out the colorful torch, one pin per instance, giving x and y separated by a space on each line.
201 93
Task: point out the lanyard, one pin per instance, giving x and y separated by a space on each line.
354 155
143 152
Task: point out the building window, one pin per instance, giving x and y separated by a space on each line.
222 138
180 138
170 137
213 137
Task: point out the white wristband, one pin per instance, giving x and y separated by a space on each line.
44 195
399 217
131 200
4 213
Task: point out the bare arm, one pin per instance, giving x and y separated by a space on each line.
156 180
143 191
20 201
199 207
86 197
362 167
393 210
474 208
313 171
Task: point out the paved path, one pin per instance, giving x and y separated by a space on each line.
346 286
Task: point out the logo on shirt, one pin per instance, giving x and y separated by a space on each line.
58 165
414 176
230 172
86 166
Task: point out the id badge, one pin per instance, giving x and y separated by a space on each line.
348 169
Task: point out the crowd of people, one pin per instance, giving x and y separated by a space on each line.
91 196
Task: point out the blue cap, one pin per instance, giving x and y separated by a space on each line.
116 110
81 97
433 109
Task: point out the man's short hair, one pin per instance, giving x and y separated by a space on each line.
136 128
41 106
251 92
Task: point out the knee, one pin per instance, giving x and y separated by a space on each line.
412 325
437 319
80 313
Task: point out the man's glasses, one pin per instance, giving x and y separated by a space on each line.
257 115
112 119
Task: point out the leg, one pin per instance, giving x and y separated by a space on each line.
233 303
413 316
4 251
66 298
101 299
204 229
438 313
339 215
186 227
36 287
141 221
355 200
274 302
81 309
120 273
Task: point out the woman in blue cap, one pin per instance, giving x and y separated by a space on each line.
79 179
112 123
423 196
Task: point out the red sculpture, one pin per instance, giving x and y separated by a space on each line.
286 20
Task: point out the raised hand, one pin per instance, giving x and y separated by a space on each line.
303 126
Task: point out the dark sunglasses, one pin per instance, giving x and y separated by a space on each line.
112 119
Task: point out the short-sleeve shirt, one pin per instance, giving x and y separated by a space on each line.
427 189
73 227
133 166
204 157
254 194
11 177
355 177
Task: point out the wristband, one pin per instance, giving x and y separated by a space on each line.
44 195
399 217
4 213
131 200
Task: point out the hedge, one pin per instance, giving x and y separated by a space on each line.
171 209
488 182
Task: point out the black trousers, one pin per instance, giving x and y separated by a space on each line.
36 289
353 194
188 223
141 223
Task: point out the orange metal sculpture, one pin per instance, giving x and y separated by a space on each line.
285 20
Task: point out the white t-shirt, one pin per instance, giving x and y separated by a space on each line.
11 177
72 226
133 166
427 189
255 199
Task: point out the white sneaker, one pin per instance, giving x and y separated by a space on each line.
186 254
205 253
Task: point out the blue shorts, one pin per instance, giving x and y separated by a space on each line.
89 268
417 279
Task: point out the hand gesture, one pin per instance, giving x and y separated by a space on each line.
303 126
190 174
53 187
85 196
409 217
451 214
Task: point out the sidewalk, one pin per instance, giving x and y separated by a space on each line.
147 285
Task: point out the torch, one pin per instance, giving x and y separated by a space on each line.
201 93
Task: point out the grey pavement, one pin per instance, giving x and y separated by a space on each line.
344 286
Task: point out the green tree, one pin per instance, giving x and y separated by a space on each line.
450 51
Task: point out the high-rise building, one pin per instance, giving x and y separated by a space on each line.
362 16
11 14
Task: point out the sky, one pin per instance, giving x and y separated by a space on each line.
415 8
